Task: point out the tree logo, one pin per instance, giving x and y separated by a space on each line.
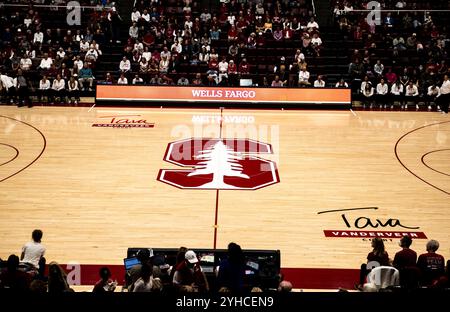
224 164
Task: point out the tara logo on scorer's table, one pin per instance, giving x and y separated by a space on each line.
124 121
225 164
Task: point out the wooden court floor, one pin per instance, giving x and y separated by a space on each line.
94 192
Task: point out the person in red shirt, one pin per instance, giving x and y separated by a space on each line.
405 262
391 77
213 63
244 67
431 264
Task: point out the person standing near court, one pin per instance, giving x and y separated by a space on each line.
445 94
33 253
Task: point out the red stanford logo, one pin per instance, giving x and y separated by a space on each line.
224 164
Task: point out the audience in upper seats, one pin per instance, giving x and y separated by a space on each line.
421 40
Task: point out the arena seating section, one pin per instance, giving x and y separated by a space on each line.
341 34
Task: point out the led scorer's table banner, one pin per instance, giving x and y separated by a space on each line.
216 94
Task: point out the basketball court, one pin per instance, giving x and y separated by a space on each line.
317 185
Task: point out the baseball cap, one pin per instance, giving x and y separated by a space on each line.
191 257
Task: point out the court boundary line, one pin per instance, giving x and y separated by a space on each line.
404 166
40 154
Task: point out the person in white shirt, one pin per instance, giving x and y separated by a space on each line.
166 53
25 63
145 16
312 24
382 93
364 83
147 54
319 83
368 95
135 15
177 46
138 46
316 43
137 80
223 69
59 88
78 64
411 94
46 62
91 55
122 80
84 45
73 91
303 77
397 93
378 68
133 31
33 253
341 84
38 37
444 98
124 65
433 92
8 88
44 88
61 53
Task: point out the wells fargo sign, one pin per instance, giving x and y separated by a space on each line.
216 94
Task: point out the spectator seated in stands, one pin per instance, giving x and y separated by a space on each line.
377 257
433 93
382 93
232 270
85 76
411 94
105 284
431 264
146 281
122 79
57 279
12 277
405 262
303 77
73 91
33 253
189 273
276 82
319 82
44 89
397 94
341 83
58 89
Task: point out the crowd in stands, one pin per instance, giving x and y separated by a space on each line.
403 57
400 58
150 274
405 270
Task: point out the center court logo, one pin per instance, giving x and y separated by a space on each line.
225 164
